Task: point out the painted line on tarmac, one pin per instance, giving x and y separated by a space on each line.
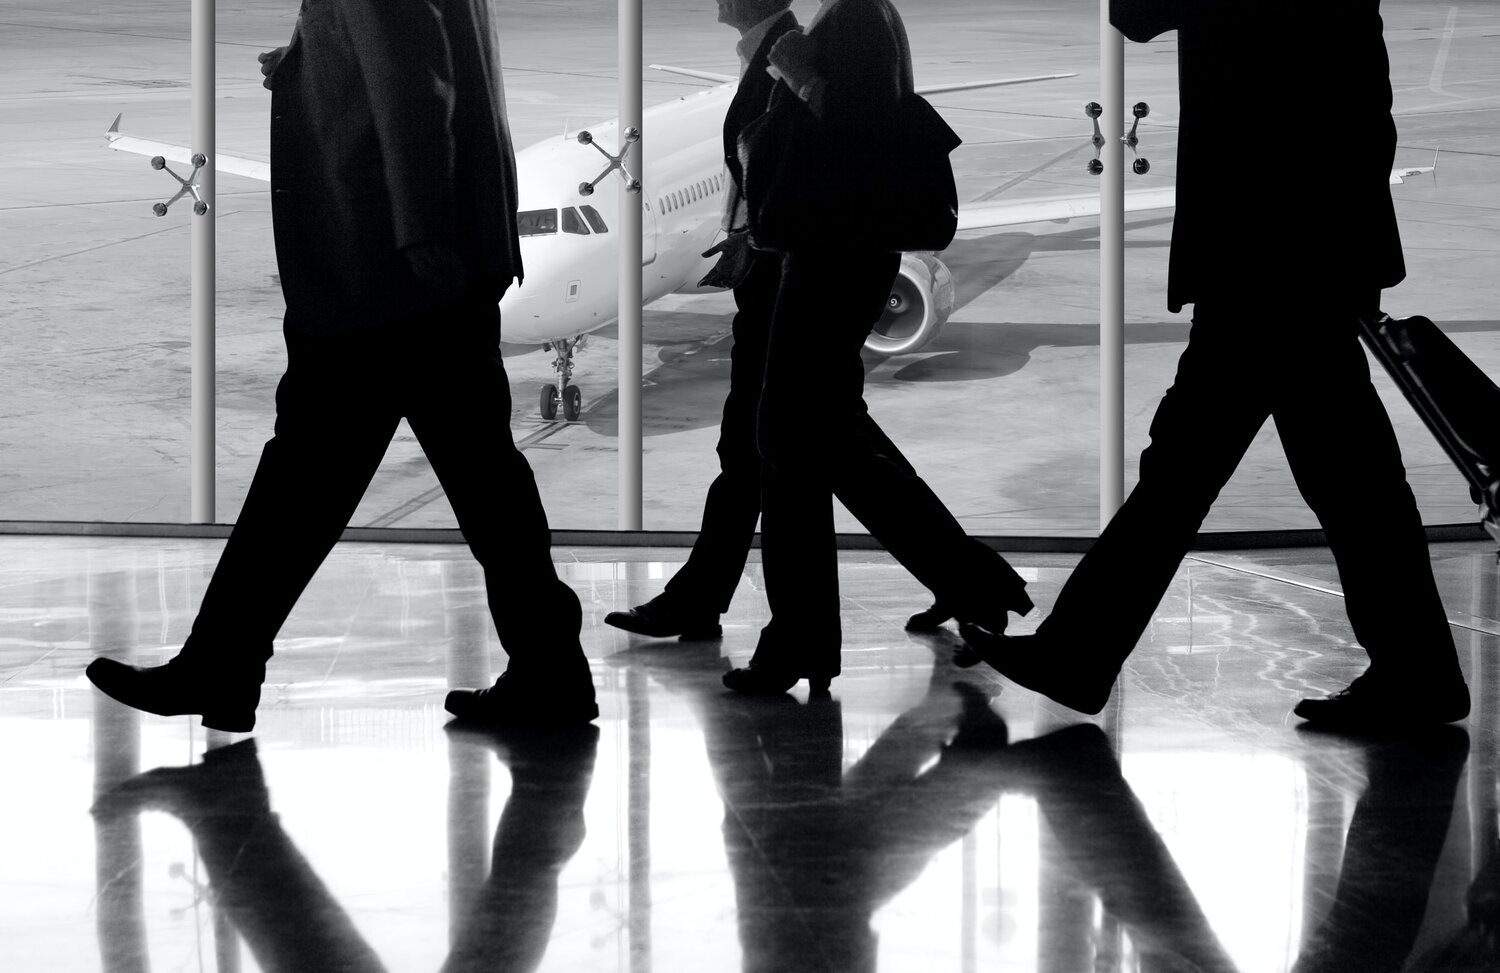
403 510
102 246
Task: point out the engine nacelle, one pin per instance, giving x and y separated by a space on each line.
921 301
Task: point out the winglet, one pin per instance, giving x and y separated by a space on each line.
114 126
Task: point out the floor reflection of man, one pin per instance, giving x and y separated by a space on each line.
286 914
1391 851
815 850
507 924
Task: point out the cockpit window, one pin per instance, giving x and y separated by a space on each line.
595 220
573 223
537 222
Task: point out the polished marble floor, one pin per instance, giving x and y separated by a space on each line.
924 818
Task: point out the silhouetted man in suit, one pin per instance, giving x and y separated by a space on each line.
701 590
1275 334
393 200
850 70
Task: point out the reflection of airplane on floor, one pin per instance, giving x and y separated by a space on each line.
571 286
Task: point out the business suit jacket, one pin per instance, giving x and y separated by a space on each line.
750 101
862 55
1305 84
389 131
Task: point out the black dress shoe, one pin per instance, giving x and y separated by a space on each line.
754 680
1033 661
929 619
1367 705
993 616
225 693
530 702
659 620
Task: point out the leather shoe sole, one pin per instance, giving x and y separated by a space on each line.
763 681
1362 708
929 619
509 704
1033 663
659 627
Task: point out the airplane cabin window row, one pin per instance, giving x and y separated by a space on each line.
702 189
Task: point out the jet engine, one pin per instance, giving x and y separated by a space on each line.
921 301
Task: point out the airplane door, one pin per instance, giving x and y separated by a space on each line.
648 231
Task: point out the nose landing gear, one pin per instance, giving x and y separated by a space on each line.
564 393
571 400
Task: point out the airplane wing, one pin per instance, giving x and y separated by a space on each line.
983 216
980 216
935 89
234 165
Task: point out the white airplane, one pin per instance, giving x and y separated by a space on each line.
568 247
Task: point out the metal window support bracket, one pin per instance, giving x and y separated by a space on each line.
187 187
1141 165
616 162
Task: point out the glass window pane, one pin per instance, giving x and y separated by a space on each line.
1445 101
996 405
537 222
573 223
997 410
595 220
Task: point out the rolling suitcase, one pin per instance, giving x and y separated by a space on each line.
1457 401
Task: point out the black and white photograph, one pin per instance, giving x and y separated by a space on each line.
415 414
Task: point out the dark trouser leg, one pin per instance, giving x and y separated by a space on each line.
1347 463
812 357
458 405
332 429
712 572
816 336
881 489
1202 427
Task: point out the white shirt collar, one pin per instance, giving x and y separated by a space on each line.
753 38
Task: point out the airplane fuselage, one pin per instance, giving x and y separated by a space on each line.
571 286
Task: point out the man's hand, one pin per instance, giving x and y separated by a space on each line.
438 267
792 59
734 261
269 62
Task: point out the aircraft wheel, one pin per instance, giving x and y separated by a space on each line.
572 403
549 401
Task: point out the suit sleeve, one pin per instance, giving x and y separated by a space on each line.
860 60
406 65
1141 20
